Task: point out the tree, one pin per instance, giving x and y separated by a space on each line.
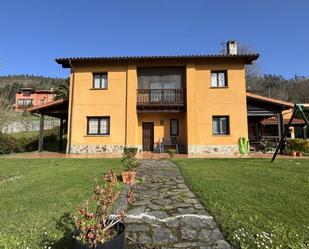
62 92
252 70
7 111
26 119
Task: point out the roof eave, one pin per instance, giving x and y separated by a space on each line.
247 58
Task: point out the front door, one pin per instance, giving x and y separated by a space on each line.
148 136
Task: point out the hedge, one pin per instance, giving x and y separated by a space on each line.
297 144
12 143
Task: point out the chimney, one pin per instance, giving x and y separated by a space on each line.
231 48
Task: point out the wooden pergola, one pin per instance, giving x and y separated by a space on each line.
260 108
56 109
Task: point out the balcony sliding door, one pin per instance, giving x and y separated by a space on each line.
164 85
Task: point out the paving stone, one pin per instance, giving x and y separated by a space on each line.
216 235
160 194
198 206
154 207
188 233
158 214
186 210
173 223
138 210
163 236
195 222
205 235
193 201
223 245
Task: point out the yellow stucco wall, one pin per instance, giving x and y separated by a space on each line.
195 125
88 102
203 102
161 131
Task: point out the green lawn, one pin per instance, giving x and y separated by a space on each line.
255 202
37 194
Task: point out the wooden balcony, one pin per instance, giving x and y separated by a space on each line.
161 99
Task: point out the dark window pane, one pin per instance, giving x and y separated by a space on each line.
174 127
220 125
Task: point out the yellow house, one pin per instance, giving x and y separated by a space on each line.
196 103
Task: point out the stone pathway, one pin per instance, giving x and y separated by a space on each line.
166 214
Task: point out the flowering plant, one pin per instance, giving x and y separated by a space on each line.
93 221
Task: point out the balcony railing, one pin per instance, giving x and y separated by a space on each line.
164 97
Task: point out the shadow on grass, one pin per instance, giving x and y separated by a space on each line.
65 224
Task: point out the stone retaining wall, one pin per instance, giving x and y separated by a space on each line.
213 149
100 148
33 126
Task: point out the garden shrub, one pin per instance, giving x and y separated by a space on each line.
129 152
298 144
7 144
129 161
12 143
171 152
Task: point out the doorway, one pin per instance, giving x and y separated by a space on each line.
148 136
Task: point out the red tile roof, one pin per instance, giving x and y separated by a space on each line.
274 121
49 104
270 100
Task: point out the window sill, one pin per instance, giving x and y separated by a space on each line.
98 88
219 87
221 135
94 135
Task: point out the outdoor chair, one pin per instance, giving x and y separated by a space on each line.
169 142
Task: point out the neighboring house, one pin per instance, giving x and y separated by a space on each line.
197 102
27 97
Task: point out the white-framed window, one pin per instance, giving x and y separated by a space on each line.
220 125
98 125
218 78
100 81
25 102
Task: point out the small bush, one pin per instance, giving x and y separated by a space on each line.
129 152
298 144
171 152
129 161
7 144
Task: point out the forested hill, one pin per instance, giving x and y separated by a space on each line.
36 82
295 90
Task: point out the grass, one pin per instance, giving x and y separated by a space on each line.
257 204
38 194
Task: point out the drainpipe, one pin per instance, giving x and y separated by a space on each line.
126 112
68 149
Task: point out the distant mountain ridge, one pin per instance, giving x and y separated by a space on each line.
33 81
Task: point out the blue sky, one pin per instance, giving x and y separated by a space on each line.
35 32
